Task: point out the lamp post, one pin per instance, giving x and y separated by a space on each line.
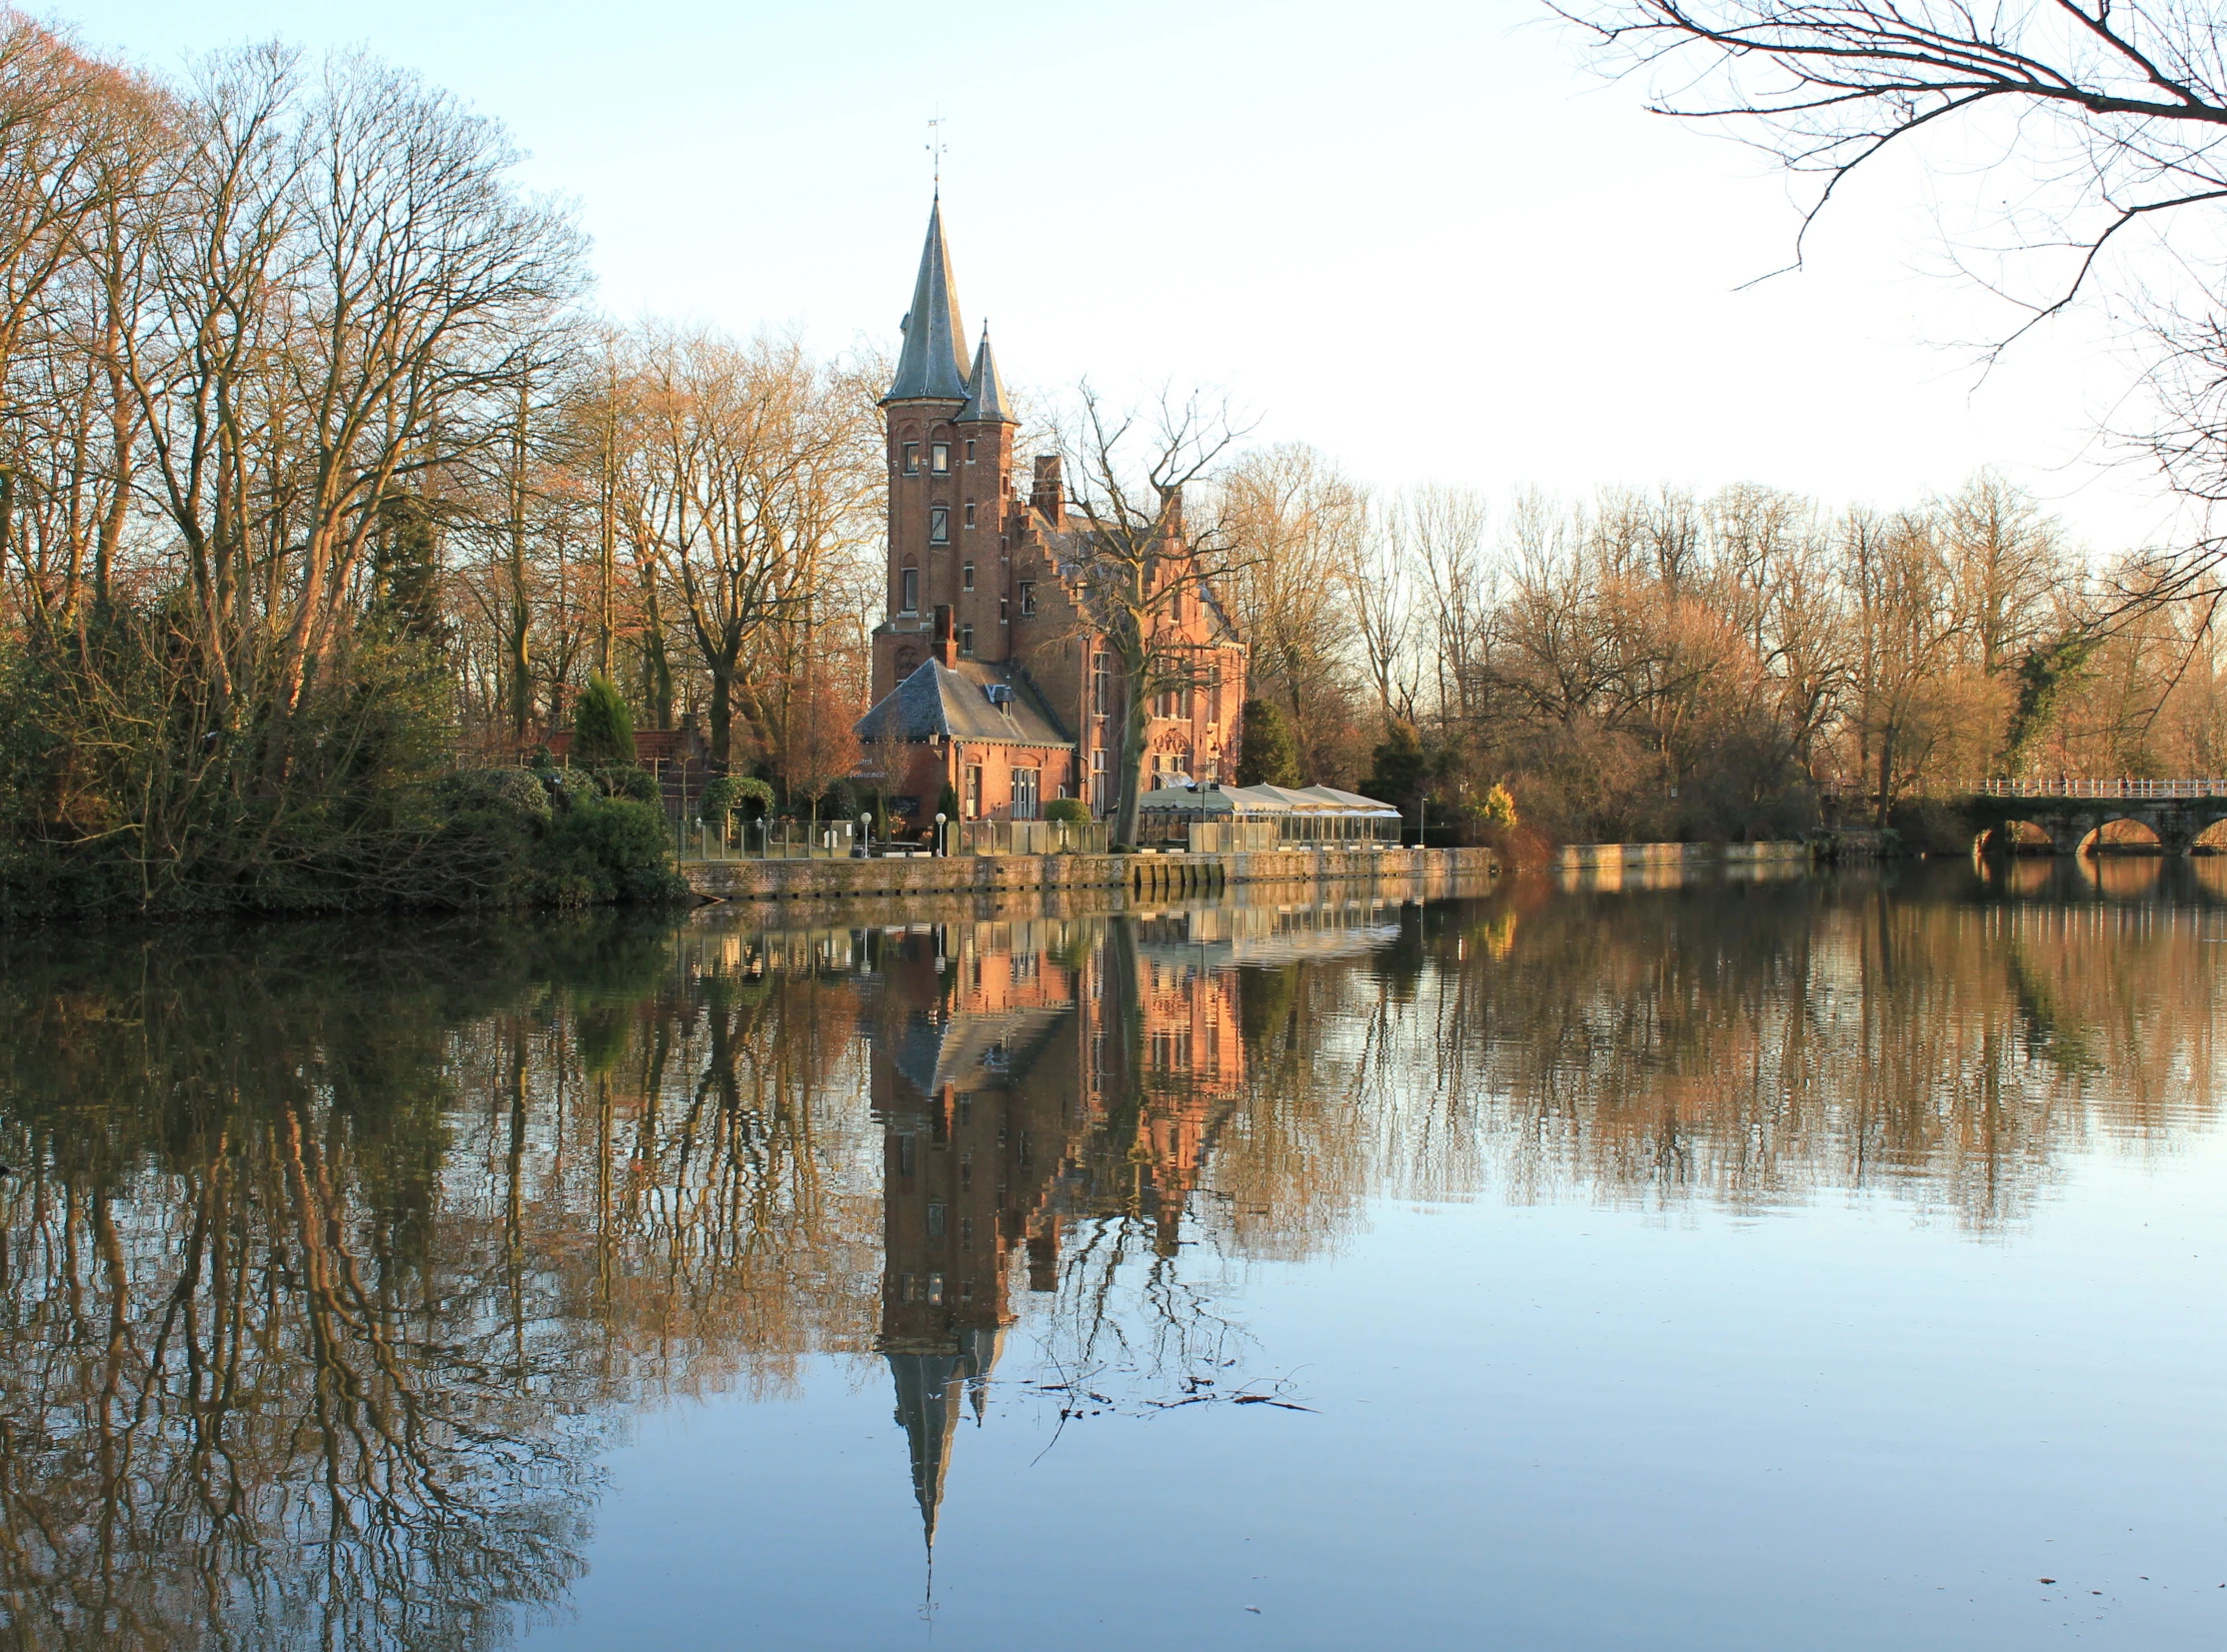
866 836
938 831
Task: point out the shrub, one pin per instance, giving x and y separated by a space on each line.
1499 811
514 789
606 850
636 784
1073 810
602 726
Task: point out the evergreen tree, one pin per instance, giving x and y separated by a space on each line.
602 726
1396 766
406 569
1267 754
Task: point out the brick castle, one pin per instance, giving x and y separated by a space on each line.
990 672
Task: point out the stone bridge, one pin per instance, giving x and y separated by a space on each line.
2072 811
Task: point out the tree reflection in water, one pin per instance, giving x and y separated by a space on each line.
333 1255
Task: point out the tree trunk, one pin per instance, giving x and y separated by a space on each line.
723 711
1886 773
1133 760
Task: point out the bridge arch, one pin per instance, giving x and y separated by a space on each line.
2017 837
2122 834
2208 833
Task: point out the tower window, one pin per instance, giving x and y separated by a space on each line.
912 459
970 513
909 589
940 457
967 640
939 525
1027 589
966 576
969 450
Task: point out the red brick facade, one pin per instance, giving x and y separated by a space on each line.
973 574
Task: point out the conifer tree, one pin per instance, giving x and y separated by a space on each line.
602 726
1267 755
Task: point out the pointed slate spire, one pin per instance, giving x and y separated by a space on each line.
928 367
986 392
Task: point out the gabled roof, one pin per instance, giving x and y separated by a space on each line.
929 366
986 392
949 700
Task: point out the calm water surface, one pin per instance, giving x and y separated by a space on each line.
1815 1262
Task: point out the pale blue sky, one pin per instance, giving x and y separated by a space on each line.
1412 233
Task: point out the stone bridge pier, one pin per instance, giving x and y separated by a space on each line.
2071 822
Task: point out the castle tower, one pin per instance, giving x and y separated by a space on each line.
949 458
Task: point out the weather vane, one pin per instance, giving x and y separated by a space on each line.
935 148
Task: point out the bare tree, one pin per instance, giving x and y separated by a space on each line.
1142 569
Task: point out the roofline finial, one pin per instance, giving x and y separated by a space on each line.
935 147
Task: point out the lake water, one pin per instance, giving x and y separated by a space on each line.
1797 1263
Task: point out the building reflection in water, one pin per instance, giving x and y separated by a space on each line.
377 1235
1029 1075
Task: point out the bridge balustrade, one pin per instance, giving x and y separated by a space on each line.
2120 790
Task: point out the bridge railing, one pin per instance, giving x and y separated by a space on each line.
2116 791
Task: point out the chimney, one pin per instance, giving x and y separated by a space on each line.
1049 494
946 645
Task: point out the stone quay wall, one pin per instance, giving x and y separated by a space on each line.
1577 857
1429 871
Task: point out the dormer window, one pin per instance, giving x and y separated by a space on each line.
908 590
939 525
940 457
970 517
912 459
966 576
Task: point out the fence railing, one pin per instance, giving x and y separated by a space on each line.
1031 838
1232 836
764 839
2117 791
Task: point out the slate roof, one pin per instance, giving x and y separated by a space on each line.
929 366
948 700
986 392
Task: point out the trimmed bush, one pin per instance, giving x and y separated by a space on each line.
724 794
1073 811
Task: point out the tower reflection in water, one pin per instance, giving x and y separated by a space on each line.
1025 1078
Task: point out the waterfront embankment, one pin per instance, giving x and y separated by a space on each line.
1430 872
1615 866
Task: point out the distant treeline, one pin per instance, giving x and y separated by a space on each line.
1658 666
